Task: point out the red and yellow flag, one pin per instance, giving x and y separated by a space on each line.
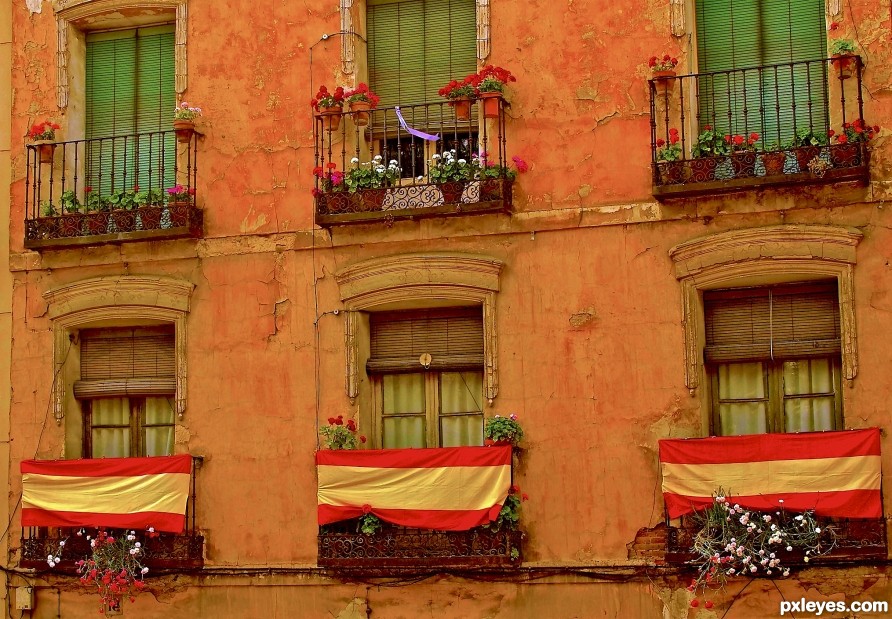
448 489
832 473
107 492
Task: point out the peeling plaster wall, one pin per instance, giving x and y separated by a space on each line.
589 313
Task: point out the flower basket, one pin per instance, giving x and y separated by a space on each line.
331 117
45 151
462 108
843 64
452 191
774 163
360 110
490 104
184 130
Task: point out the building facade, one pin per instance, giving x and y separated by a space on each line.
633 275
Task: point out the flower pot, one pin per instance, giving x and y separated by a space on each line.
45 151
493 443
664 80
844 64
184 130
462 108
744 163
804 154
671 172
360 110
452 191
703 169
490 104
845 155
331 117
774 163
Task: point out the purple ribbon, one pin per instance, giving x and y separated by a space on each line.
415 132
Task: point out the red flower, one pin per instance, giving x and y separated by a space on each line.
514 489
708 604
673 131
674 61
351 425
695 603
846 125
331 165
339 420
738 140
834 25
331 420
362 439
831 133
876 128
842 139
88 189
674 139
667 58
524 497
366 509
728 138
652 61
707 127
661 142
136 188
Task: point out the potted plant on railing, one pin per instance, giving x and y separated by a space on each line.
706 153
184 121
367 182
43 136
461 95
743 153
451 174
500 430
492 87
669 159
179 199
846 153
492 176
330 107
843 57
775 158
361 100
663 69
331 181
808 143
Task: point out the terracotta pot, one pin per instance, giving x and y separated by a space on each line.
462 108
491 102
804 154
331 117
45 151
845 155
184 130
452 191
844 64
774 163
360 112
664 80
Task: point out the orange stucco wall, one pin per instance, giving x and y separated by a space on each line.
590 341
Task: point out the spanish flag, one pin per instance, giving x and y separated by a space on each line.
447 489
833 473
107 492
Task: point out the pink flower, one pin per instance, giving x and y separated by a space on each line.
512 417
520 164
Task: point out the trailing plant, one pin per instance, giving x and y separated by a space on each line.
842 47
670 151
371 174
185 112
324 98
448 167
43 131
509 515
505 429
340 435
710 144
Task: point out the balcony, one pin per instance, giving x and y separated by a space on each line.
797 111
111 190
345 141
166 551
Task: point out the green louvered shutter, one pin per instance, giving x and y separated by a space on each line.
129 90
737 34
416 46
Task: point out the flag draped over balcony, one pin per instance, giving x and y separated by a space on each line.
107 492
833 473
449 489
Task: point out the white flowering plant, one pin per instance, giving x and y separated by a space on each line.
371 174
735 541
450 168
186 112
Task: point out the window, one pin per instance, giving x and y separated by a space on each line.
130 92
773 357
740 34
126 391
427 371
416 46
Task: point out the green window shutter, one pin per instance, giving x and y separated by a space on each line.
155 100
750 33
416 46
111 83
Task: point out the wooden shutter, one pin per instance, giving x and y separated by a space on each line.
452 337
415 47
155 101
129 361
737 34
782 322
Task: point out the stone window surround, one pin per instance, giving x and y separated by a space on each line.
760 256
126 300
407 281
75 17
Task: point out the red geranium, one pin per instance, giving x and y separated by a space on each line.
328 99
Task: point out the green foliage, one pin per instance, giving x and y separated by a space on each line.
710 143
371 174
369 524
500 428
69 202
448 167
47 209
809 137
509 516
340 435
842 47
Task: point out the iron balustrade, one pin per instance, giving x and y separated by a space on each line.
81 192
167 551
768 123
351 138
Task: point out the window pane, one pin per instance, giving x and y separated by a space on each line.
808 376
741 381
159 439
461 392
402 432
111 442
403 393
743 418
808 414
461 430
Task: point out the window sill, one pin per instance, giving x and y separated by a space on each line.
119 226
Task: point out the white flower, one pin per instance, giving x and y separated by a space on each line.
780 500
761 553
771 556
767 571
720 499
766 518
420 178
817 529
145 570
49 558
753 568
130 538
354 160
805 559
787 572
798 518
462 162
377 157
732 571
380 169
789 548
62 543
435 156
394 162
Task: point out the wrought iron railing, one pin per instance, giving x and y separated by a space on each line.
855 540
347 140
771 124
397 547
120 188
167 551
